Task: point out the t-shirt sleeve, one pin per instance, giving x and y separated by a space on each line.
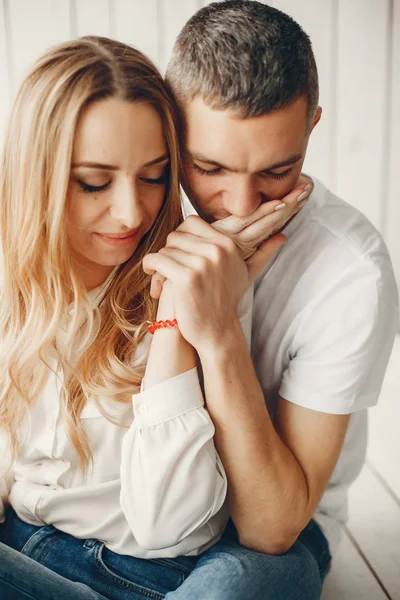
341 349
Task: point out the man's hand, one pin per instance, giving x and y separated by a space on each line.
208 277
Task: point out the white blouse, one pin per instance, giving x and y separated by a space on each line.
156 488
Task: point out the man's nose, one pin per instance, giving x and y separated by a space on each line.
126 206
243 198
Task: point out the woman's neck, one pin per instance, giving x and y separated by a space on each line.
93 277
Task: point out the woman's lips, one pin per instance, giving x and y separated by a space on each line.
119 241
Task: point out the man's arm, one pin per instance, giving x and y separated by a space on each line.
276 477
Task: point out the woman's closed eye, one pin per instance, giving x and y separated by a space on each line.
92 189
161 180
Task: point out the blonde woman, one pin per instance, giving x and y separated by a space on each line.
91 479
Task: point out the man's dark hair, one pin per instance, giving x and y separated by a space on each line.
244 56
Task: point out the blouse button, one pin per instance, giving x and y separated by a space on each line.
143 407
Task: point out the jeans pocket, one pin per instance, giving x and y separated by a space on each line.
103 564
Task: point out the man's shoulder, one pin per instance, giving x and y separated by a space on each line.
330 233
332 249
344 228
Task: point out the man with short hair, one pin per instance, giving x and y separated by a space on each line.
291 432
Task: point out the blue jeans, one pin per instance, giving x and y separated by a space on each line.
43 563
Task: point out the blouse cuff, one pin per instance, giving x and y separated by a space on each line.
168 399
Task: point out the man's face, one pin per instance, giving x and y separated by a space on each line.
232 165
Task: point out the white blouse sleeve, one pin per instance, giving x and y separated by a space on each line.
172 479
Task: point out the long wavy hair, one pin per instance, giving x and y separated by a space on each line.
39 279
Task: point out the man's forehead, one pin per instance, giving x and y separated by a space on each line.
211 130
198 108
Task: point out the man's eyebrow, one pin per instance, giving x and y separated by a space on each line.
95 165
285 163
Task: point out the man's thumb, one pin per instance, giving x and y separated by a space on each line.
263 255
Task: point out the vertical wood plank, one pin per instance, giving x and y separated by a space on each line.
384 419
93 18
173 17
5 94
316 18
206 2
35 26
392 217
137 24
350 577
375 525
362 34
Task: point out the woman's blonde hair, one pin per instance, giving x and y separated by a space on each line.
39 279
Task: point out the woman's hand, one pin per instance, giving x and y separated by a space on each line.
249 232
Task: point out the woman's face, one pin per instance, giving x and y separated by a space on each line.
117 184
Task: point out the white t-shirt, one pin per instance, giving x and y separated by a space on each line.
324 317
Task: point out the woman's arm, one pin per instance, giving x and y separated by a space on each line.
170 354
172 480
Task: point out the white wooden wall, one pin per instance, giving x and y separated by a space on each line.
355 149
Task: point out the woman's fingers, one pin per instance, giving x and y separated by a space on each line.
156 285
269 218
234 225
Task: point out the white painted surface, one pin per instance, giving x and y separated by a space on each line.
34 26
137 23
392 156
89 21
173 23
361 88
5 95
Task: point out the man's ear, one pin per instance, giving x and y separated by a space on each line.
317 117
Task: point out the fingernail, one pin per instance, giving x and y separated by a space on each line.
303 196
280 206
302 203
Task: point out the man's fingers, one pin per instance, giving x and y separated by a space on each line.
264 254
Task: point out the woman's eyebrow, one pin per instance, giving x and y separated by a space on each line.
95 165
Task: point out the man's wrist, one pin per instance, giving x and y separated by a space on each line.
220 349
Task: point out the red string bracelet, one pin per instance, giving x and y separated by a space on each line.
154 325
